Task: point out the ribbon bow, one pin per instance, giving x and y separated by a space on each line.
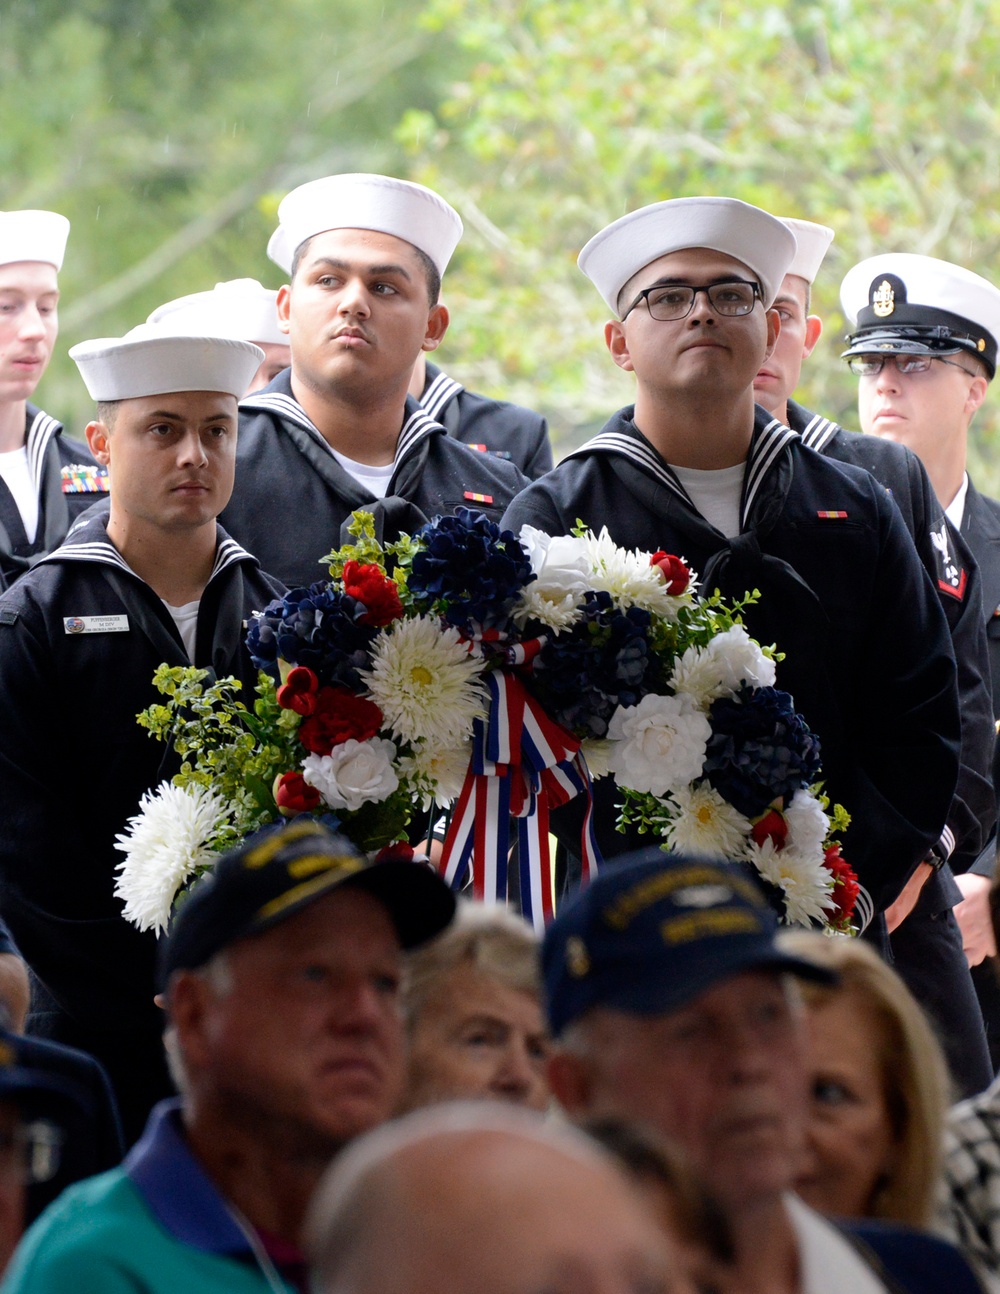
522 765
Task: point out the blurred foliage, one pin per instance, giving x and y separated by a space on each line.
168 132
881 121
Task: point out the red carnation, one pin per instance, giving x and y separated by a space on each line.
293 794
398 852
339 716
845 886
676 575
378 593
298 692
772 826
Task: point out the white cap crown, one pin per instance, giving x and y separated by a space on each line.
242 309
408 211
33 236
759 241
812 242
151 360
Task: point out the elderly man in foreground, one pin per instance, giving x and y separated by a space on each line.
477 1199
672 1002
282 977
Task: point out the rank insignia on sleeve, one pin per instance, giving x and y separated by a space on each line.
473 497
951 578
832 516
84 478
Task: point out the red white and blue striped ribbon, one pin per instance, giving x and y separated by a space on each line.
522 765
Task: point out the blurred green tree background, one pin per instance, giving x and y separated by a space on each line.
169 132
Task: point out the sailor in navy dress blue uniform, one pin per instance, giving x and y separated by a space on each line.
81 635
338 431
46 479
843 594
496 427
927 940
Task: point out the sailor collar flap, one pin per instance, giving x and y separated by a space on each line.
621 438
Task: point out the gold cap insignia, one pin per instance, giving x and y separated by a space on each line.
884 300
981 344
577 957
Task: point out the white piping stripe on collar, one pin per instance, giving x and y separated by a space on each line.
104 551
43 428
766 447
818 431
629 447
417 426
438 394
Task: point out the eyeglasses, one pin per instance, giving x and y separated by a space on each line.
870 365
676 300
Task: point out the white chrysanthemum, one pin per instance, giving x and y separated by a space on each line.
805 882
720 669
164 845
628 576
425 682
660 744
808 825
438 774
597 752
707 824
354 773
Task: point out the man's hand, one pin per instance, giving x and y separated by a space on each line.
973 917
897 911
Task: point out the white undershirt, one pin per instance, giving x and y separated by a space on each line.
828 1263
715 494
374 479
17 478
955 511
186 620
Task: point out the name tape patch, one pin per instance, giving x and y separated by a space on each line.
95 624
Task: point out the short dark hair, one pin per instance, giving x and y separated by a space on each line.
107 412
428 267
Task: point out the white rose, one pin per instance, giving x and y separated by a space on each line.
561 578
808 825
354 773
660 744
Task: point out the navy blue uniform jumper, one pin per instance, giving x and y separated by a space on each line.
292 496
63 490
73 767
496 427
927 947
868 656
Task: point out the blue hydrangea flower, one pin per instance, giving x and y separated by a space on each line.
582 676
473 567
316 627
759 749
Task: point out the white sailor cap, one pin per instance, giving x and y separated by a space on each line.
409 211
33 236
241 308
152 360
916 305
746 233
811 245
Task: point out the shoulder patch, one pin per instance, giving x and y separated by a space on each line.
951 577
7 616
84 478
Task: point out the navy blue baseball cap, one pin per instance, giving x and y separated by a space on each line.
273 875
654 930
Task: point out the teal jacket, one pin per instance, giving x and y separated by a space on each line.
154 1226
